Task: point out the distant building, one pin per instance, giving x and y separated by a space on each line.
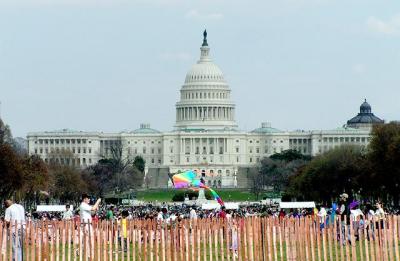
205 136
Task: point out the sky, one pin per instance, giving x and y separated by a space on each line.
109 65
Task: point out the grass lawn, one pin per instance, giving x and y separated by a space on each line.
165 195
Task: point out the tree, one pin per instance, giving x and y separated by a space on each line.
327 175
5 133
116 174
279 167
139 163
67 183
384 158
11 170
35 178
290 155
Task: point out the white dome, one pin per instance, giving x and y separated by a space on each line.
204 72
205 102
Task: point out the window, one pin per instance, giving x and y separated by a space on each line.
152 151
152 161
84 150
35 151
79 150
144 150
90 150
221 150
90 161
237 149
257 150
171 149
41 150
251 159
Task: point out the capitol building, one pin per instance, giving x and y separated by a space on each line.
205 136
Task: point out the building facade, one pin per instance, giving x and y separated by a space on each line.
205 137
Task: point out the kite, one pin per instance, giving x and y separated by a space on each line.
188 179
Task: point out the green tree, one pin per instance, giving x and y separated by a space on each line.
35 178
11 171
384 159
67 183
139 163
327 175
5 133
289 155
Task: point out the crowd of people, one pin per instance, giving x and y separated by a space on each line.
346 212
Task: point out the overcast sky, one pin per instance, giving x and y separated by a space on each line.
110 65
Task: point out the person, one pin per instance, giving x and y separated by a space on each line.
110 213
160 216
380 215
85 213
15 220
67 215
85 210
222 213
344 213
192 214
124 230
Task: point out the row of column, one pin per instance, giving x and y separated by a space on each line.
205 113
214 143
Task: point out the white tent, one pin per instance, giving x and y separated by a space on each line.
304 204
215 205
52 208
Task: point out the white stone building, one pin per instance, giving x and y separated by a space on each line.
205 136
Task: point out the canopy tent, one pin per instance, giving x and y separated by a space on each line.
52 208
304 204
215 205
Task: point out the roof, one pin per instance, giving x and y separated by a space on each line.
365 116
266 130
145 131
